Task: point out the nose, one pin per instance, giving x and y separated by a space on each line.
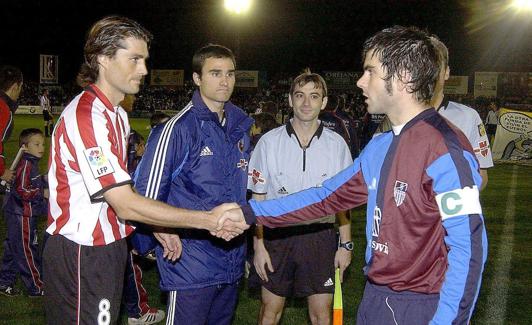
306 100
224 80
143 70
361 83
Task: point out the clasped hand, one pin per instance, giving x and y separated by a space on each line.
230 221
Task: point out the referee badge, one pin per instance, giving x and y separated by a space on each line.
399 192
256 176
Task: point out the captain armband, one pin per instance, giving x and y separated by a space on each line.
459 202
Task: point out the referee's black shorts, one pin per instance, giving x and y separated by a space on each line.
302 258
83 284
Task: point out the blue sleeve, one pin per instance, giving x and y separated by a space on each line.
163 159
165 154
455 183
343 191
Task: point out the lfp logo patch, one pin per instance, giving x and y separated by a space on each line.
98 163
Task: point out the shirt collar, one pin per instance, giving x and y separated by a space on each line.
92 88
290 129
205 113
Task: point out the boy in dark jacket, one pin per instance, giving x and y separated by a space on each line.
25 200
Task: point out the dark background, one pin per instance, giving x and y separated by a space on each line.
275 36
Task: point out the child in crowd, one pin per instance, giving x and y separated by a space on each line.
25 200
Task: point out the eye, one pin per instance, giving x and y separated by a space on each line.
231 74
215 73
314 96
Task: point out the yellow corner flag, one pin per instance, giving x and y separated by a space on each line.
338 309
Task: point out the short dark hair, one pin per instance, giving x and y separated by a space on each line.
26 134
305 78
404 50
210 51
9 76
105 37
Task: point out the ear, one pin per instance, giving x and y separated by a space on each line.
290 101
103 60
447 73
325 99
197 79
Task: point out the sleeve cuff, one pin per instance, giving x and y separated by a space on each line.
249 215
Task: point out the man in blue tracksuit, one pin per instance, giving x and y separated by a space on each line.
199 159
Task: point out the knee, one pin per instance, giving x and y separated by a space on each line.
320 318
270 315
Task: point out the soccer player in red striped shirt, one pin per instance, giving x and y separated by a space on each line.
90 189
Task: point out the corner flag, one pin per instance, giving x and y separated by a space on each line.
338 310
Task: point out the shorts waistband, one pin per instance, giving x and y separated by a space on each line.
406 294
270 233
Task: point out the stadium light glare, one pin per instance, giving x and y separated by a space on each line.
237 6
525 5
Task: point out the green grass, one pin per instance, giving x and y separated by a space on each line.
23 310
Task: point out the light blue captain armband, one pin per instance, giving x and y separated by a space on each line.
459 202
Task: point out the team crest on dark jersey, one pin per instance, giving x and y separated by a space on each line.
242 164
241 145
399 192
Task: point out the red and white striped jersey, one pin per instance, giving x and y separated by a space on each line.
87 157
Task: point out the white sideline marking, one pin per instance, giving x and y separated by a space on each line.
498 294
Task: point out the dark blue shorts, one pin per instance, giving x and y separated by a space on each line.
383 306
214 305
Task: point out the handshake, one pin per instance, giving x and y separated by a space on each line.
225 221
229 221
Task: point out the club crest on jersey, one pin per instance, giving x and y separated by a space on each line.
98 163
241 145
399 192
242 164
256 176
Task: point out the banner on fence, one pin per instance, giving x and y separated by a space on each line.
456 85
49 69
247 78
513 139
346 80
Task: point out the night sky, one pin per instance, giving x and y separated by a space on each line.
275 35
